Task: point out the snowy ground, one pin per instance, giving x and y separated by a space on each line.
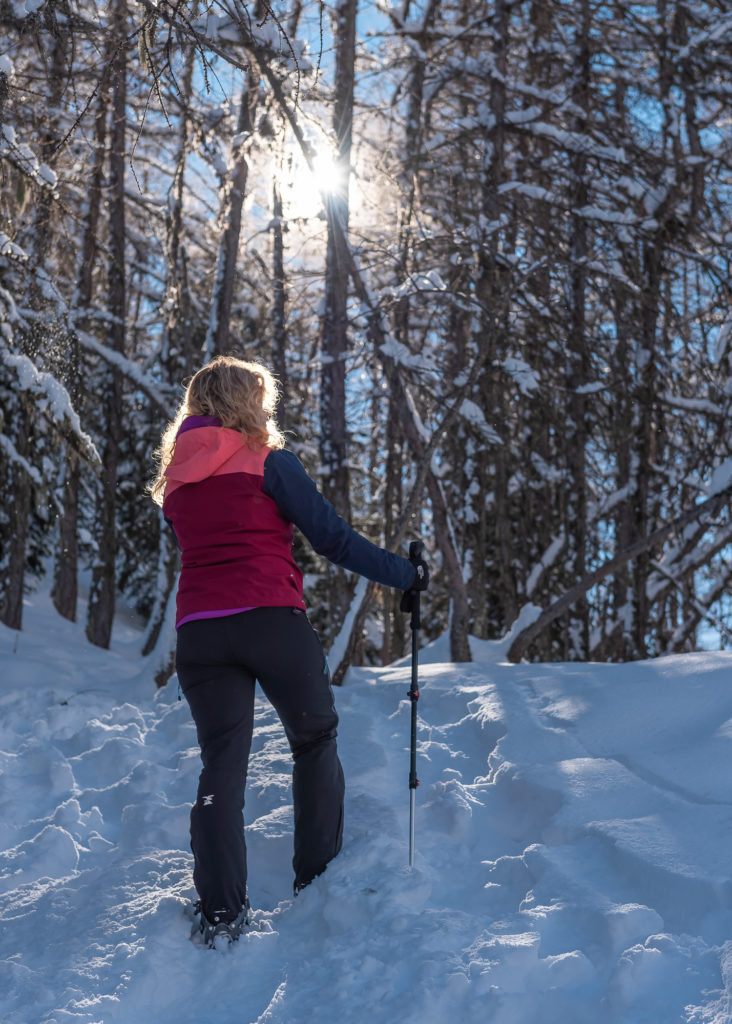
573 847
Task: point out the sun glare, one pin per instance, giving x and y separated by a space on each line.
329 177
306 191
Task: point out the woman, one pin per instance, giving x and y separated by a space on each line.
231 492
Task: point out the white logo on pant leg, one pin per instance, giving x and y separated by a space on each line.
208 800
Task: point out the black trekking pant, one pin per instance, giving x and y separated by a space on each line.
218 661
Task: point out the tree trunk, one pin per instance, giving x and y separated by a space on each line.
217 338
64 592
19 490
394 641
334 342
280 338
619 645
177 357
34 344
177 348
493 290
167 573
102 593
577 637
335 476
460 612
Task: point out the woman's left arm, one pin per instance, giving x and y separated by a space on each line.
300 501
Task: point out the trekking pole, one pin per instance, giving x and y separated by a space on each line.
415 553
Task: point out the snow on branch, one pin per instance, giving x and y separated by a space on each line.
545 562
472 412
131 370
604 507
10 250
607 215
577 142
675 565
22 156
268 35
723 337
720 32
702 610
701 405
428 282
531 191
24 8
666 575
523 638
721 478
417 420
14 455
339 646
233 29
53 398
526 379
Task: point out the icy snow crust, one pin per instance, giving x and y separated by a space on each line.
573 847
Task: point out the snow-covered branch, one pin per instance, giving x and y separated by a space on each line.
157 393
52 398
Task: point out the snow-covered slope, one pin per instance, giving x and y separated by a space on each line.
574 847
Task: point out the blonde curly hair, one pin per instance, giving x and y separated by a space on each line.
243 395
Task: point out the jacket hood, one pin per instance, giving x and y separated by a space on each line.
210 450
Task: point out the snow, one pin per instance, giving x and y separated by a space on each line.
703 38
722 342
472 412
12 453
607 215
579 143
572 836
526 378
47 175
545 562
522 116
22 8
52 396
702 405
9 248
132 370
721 478
525 189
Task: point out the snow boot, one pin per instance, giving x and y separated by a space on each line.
218 934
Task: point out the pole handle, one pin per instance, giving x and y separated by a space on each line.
416 547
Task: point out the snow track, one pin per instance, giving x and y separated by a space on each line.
573 847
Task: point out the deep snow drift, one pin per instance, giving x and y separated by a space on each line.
573 847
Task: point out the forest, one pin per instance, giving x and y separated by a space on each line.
483 244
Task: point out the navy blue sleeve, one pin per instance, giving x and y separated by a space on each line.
300 501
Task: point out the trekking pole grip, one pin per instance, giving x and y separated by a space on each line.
416 547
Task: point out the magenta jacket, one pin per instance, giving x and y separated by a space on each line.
232 510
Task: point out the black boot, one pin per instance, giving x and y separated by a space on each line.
217 934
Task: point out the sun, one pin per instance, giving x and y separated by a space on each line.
328 174
305 191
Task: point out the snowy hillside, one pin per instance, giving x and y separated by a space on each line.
574 847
